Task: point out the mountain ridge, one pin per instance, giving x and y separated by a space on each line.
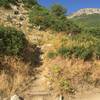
86 11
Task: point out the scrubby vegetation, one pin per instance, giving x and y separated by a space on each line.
83 46
54 19
17 59
58 10
92 20
74 60
30 3
12 42
39 16
76 52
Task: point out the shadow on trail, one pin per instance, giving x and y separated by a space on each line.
32 54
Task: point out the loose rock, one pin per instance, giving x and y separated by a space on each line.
16 97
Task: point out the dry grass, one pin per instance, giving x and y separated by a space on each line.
76 72
13 73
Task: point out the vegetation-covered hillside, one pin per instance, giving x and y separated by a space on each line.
92 20
66 53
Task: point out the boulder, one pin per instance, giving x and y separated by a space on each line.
16 97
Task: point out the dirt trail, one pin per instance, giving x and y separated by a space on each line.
93 94
90 97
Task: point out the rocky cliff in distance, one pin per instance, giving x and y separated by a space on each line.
85 11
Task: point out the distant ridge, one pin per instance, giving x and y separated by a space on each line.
85 11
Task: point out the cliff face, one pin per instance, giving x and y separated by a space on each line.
86 11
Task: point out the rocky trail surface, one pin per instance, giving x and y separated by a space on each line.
94 96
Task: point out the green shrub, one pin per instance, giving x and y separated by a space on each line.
65 52
62 24
52 54
30 3
58 25
56 69
92 31
65 85
58 10
73 28
82 53
39 16
4 3
77 52
12 41
57 21
97 51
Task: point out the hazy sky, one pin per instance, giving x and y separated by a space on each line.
72 5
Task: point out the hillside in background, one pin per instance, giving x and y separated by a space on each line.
89 21
85 11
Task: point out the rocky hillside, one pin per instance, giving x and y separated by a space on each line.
85 11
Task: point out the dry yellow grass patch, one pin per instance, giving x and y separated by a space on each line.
13 73
66 75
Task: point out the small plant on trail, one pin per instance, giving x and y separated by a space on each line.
52 54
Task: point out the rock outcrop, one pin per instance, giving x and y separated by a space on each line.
85 11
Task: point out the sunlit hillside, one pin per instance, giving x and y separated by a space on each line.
46 56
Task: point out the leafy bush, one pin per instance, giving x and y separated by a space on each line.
30 3
82 53
58 10
77 52
64 51
65 86
12 41
73 28
90 40
97 51
39 16
58 25
55 20
92 31
62 24
84 46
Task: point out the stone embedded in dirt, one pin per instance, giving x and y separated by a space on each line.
20 24
21 17
16 97
16 12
